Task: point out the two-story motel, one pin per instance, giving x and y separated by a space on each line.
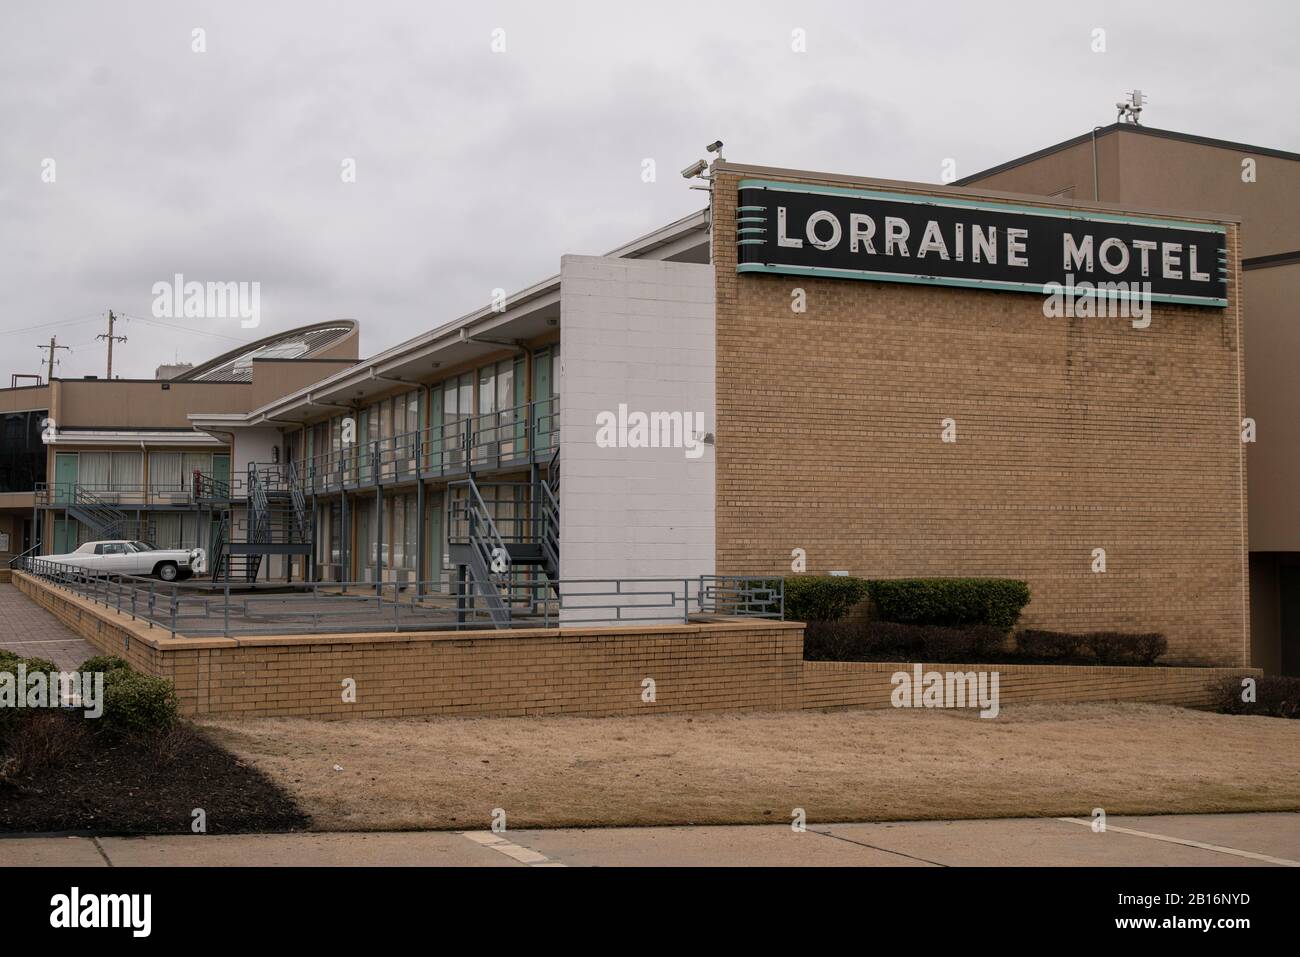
862 375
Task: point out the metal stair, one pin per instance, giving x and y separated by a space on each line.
277 523
228 567
547 502
104 519
488 562
475 553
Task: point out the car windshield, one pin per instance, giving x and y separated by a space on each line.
141 547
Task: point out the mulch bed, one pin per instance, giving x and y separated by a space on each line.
73 779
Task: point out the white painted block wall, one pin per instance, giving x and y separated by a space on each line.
641 333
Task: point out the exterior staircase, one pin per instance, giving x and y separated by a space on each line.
104 519
488 563
277 523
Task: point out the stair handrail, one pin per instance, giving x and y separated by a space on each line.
259 527
299 500
84 498
21 560
549 532
479 517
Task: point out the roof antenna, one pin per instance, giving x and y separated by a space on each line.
1130 110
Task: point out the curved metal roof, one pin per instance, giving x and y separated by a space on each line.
301 343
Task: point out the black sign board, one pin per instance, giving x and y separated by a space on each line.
796 229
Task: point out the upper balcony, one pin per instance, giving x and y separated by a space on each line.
502 441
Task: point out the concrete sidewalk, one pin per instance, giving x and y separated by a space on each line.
1198 840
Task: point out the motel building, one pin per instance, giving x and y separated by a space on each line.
866 374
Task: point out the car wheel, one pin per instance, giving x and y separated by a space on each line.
167 571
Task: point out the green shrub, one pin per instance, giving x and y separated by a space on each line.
832 641
1276 696
1048 645
11 719
884 640
135 702
104 663
1120 648
996 602
822 597
33 664
894 641
961 644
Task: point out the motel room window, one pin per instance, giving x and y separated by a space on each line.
335 520
366 539
93 470
410 533
190 461
498 397
166 530
546 391
22 453
396 521
125 472
165 472
457 395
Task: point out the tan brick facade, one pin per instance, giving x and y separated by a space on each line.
709 666
1072 434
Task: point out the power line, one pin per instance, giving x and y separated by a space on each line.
49 325
185 329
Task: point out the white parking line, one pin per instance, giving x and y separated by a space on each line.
1235 852
519 853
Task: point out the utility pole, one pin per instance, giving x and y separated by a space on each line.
111 339
52 347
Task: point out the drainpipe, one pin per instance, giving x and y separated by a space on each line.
1096 194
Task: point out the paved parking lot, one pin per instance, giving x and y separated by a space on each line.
1198 840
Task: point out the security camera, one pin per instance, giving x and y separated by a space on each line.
695 169
715 146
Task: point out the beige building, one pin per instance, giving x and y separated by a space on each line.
820 372
99 458
1128 165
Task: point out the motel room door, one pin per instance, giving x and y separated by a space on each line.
65 477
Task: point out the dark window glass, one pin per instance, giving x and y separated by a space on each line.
22 454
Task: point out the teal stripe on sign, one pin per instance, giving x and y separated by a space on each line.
997 285
929 200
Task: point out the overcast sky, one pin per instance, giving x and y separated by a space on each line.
477 169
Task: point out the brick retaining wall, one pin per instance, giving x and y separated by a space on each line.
719 665
867 684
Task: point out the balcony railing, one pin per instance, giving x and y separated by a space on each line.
139 494
491 441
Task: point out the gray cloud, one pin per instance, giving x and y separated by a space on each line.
477 170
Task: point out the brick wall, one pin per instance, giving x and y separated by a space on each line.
1072 434
834 684
709 666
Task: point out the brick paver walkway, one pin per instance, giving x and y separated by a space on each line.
29 630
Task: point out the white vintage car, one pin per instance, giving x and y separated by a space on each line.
124 557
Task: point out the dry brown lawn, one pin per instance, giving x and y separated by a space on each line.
853 765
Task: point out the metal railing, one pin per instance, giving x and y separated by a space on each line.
204 610
17 560
489 441
139 494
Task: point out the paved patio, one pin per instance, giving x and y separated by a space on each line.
29 630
